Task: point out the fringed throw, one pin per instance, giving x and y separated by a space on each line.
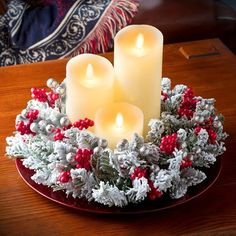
32 34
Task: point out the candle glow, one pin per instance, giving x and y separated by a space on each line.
119 120
89 72
139 41
90 80
139 45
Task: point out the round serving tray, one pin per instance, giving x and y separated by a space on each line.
144 207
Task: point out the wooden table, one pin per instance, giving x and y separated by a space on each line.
210 70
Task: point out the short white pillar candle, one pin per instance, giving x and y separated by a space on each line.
118 121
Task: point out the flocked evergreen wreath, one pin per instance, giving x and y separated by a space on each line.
189 135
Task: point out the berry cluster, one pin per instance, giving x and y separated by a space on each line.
52 97
23 128
64 177
168 143
39 94
83 157
186 162
188 104
138 173
42 96
212 134
83 123
154 193
32 115
58 135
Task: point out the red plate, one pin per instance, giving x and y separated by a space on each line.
145 207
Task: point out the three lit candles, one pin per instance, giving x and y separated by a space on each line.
121 100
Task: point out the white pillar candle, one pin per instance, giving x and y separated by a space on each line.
89 85
118 121
138 53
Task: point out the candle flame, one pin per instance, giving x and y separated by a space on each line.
139 41
89 72
119 120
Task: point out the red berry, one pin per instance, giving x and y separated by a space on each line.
133 176
212 135
154 192
186 162
79 166
58 135
78 157
138 173
165 96
64 177
197 130
91 123
33 90
86 152
79 151
54 96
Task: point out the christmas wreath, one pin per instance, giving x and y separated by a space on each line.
64 156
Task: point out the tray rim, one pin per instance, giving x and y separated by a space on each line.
26 174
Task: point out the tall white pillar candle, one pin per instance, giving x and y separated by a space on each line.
89 85
138 51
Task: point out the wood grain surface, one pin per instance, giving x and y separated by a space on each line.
24 212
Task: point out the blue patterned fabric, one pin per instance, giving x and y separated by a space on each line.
42 33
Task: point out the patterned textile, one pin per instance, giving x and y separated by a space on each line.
47 32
